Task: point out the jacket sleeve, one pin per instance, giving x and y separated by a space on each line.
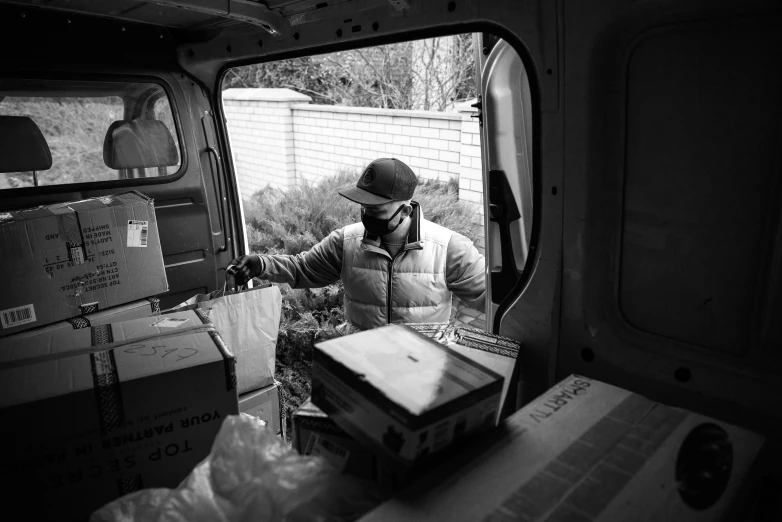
465 271
319 266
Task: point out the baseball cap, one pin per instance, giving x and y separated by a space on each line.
384 180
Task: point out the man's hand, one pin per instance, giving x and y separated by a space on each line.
245 268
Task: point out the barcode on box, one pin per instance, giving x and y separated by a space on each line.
17 316
137 233
334 454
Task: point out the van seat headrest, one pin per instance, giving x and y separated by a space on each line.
134 144
22 145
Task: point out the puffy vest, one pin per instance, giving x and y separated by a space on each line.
410 288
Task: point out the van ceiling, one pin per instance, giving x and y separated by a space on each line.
198 15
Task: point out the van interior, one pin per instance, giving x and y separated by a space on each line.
631 165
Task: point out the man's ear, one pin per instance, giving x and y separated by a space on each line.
407 211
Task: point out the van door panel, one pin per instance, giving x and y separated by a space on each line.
671 216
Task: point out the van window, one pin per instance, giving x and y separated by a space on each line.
95 131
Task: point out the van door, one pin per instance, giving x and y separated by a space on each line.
518 306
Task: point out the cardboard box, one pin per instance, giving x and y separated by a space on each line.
314 433
137 309
71 259
585 451
50 341
495 352
266 404
401 393
82 427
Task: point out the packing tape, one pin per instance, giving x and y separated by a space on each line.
108 396
154 303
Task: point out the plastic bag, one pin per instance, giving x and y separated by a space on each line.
250 475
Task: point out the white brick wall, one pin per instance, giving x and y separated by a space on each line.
279 139
419 138
262 134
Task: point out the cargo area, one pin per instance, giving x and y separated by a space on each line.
612 168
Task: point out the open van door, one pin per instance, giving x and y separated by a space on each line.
514 309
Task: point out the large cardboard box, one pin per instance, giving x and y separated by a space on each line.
70 259
80 427
585 451
401 393
314 433
149 307
495 352
50 341
266 404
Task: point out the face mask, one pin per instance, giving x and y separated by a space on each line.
380 227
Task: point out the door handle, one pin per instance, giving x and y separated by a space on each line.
503 210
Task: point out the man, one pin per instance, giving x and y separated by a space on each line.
396 266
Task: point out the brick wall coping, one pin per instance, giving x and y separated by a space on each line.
276 95
432 115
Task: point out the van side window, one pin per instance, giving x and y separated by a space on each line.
95 131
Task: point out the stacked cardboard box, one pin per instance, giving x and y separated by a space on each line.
266 404
149 307
586 450
90 414
401 394
314 432
71 259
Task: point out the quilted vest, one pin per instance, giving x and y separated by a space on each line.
410 288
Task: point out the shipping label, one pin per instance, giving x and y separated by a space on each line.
137 233
17 316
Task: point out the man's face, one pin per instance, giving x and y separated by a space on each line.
384 211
